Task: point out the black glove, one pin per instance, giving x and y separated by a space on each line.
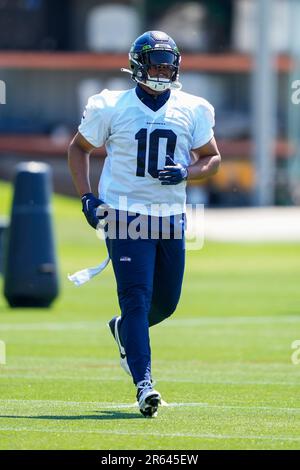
89 208
173 174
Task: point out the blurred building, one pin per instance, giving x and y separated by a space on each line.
63 51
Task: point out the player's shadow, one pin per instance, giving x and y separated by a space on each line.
104 415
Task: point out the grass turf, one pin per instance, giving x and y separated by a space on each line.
223 362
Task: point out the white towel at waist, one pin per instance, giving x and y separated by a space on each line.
83 276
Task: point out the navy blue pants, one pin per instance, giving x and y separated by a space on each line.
149 276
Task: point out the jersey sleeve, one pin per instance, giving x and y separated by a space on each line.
94 124
204 123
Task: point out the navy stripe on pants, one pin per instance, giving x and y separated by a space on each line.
149 276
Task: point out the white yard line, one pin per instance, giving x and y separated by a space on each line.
19 360
107 405
161 380
53 326
155 434
174 322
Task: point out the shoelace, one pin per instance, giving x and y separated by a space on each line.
144 385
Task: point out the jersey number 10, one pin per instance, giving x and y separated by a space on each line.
141 137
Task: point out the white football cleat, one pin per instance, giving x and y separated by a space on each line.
148 399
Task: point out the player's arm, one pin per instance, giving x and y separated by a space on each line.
79 163
207 161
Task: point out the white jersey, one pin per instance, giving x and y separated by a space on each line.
137 141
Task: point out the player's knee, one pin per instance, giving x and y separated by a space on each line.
134 298
169 308
163 310
167 304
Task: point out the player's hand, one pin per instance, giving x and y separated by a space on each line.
89 208
173 174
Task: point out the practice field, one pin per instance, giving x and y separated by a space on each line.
222 362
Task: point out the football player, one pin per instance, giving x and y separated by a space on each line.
157 137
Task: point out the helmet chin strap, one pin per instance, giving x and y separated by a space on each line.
161 86
154 84
157 85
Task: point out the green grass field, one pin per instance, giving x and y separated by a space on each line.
222 362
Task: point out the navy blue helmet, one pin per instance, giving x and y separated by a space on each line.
154 48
